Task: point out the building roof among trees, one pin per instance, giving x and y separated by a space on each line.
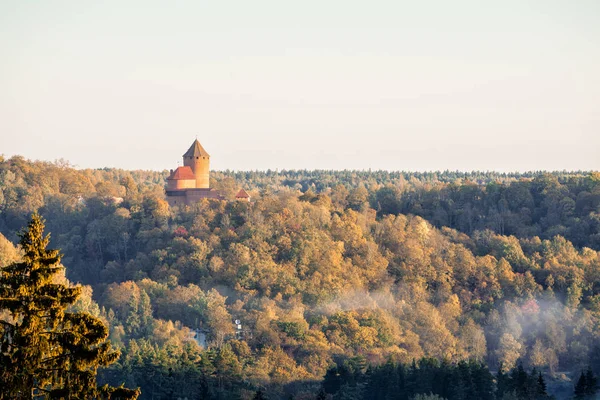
182 173
242 194
196 150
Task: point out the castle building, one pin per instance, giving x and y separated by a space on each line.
191 182
242 195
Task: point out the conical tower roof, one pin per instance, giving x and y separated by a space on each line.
196 150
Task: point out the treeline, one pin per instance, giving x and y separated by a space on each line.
522 204
431 379
321 268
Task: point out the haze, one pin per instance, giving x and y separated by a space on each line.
427 85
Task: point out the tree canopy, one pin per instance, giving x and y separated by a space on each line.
324 270
47 351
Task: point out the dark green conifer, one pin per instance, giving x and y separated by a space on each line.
591 383
259 395
412 379
502 382
580 387
321 395
541 387
333 379
46 351
520 381
483 381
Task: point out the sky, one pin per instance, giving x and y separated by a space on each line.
423 85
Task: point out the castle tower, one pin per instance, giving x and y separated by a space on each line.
199 161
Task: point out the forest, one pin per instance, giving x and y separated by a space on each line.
329 284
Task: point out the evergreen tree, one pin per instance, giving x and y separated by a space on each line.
591 383
520 381
401 376
321 395
541 387
412 379
502 382
133 320
580 387
483 381
333 380
259 395
46 351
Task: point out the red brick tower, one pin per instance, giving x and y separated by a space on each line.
199 161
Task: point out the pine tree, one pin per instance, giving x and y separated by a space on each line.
580 387
520 380
412 379
541 387
483 381
321 395
133 321
45 350
259 395
591 383
502 382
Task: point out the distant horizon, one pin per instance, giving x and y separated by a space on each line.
279 170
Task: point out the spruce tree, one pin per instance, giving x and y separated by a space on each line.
541 387
321 395
503 384
580 387
520 381
591 383
47 352
259 395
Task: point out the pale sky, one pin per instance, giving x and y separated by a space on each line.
508 85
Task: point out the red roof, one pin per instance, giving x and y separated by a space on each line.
242 194
182 173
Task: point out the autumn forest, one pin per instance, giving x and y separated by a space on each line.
328 284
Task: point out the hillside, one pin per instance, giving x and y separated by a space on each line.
323 269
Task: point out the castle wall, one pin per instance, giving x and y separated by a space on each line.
175 184
191 196
176 197
196 195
